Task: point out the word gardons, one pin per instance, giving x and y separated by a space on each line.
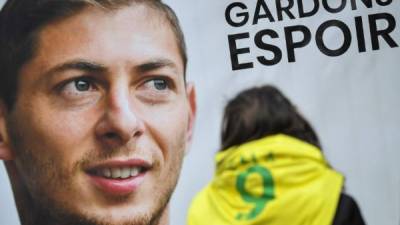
238 15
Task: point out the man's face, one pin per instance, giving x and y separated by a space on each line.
102 117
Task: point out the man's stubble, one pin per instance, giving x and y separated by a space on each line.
45 210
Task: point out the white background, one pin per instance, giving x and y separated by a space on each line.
351 100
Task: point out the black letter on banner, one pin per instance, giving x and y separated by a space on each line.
258 39
228 17
346 33
257 15
286 9
329 9
236 51
367 3
290 45
384 33
307 14
384 3
360 34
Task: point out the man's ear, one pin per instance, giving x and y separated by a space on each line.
191 96
6 152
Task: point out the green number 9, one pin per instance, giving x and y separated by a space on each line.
259 202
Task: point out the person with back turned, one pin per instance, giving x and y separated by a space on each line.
271 170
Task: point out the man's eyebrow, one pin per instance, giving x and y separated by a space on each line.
156 64
82 65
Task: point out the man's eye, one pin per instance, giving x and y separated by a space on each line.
159 84
77 88
78 85
82 85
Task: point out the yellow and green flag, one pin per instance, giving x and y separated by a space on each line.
276 180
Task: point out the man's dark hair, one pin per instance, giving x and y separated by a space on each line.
22 20
263 111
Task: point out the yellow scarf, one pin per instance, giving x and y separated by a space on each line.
276 180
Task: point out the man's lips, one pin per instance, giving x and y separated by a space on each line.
118 177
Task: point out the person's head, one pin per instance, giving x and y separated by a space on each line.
259 112
95 112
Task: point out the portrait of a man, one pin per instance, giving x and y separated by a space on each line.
95 112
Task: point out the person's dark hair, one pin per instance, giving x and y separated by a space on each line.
22 20
263 111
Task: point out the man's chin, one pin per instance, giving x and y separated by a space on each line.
129 214
66 218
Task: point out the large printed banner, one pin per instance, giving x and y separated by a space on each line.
337 60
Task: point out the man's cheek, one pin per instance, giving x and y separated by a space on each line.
177 117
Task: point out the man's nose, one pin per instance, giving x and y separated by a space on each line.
120 121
